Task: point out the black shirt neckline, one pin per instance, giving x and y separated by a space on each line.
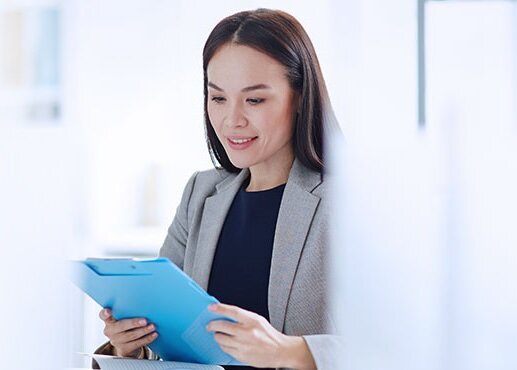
247 182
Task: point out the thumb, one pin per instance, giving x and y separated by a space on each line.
106 315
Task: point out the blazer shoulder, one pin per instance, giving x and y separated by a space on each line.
207 181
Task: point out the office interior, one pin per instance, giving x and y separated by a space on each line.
101 125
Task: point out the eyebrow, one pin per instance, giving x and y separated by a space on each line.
246 89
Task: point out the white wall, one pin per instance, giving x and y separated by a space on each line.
41 220
425 258
472 95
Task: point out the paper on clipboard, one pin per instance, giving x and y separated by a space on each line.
124 363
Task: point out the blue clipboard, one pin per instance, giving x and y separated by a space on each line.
163 294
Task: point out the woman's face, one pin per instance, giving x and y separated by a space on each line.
251 107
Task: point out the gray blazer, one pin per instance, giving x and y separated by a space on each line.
298 284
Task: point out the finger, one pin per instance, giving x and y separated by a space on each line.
148 339
225 340
223 326
234 312
136 344
106 315
234 352
125 325
132 335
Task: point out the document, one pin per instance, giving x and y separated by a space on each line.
159 291
124 363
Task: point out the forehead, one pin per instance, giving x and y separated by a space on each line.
237 66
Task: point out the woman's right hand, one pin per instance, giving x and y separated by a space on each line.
128 336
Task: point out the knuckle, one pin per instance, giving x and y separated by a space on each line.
147 339
136 322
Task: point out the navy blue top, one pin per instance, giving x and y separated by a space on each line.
242 261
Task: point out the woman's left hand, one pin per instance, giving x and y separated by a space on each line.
253 341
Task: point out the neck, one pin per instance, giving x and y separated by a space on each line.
265 177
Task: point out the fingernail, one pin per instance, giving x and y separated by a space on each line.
150 327
142 322
155 334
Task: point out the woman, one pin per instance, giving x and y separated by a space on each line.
253 232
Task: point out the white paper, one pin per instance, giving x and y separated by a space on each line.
122 363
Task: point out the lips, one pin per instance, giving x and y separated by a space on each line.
240 142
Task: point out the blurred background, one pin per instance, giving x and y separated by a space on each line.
101 126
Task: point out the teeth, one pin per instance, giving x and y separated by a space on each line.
240 141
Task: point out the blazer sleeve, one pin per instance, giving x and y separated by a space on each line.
325 349
177 234
107 349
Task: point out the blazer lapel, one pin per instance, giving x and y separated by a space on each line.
294 219
214 214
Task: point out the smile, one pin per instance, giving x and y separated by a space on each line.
241 143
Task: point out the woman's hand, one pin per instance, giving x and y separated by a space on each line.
128 336
252 340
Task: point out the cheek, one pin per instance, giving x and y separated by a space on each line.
214 117
283 122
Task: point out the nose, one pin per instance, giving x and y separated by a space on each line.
235 117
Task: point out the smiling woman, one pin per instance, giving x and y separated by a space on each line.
251 109
253 231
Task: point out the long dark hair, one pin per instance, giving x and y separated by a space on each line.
283 38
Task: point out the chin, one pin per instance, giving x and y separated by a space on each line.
241 162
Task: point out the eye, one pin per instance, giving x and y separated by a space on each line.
255 101
218 99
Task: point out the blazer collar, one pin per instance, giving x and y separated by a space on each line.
214 214
295 216
303 177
